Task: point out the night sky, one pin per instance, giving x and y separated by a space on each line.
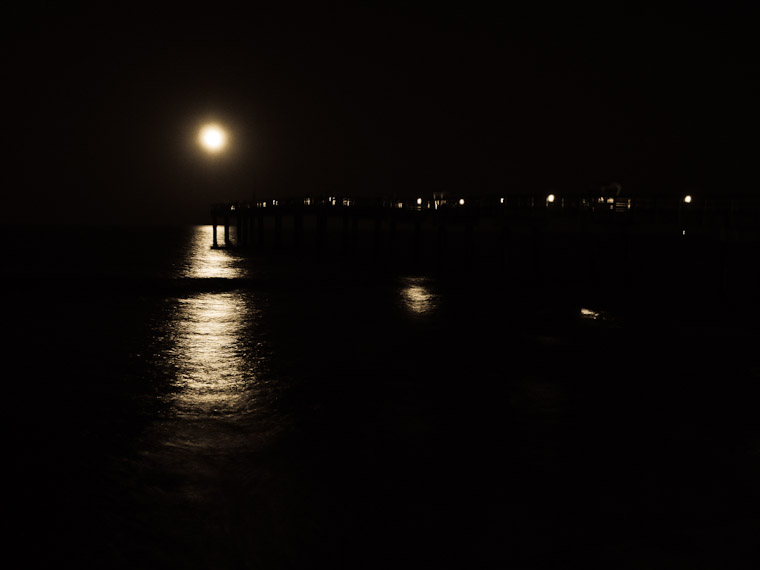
328 99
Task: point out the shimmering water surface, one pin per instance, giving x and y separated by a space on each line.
173 405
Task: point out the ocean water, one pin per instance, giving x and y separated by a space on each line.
171 405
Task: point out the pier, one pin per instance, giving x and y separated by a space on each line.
543 239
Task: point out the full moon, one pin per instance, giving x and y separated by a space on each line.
212 138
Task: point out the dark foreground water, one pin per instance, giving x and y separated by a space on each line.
172 406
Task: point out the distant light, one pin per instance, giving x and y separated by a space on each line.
683 233
212 138
419 201
687 199
550 198
501 200
589 314
610 200
461 201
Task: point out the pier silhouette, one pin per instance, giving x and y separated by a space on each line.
605 240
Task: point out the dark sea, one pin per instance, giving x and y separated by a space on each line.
174 406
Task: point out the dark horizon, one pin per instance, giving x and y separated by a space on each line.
373 101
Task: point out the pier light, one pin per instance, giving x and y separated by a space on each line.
550 198
687 199
419 201
501 200
461 201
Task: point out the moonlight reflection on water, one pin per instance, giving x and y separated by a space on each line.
203 262
418 296
212 351
210 355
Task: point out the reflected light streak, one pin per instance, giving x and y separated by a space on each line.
417 296
211 353
201 261
213 372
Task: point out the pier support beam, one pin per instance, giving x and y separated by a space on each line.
240 236
441 242
417 237
378 234
321 229
298 231
278 230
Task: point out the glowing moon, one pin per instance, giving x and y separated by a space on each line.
212 138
